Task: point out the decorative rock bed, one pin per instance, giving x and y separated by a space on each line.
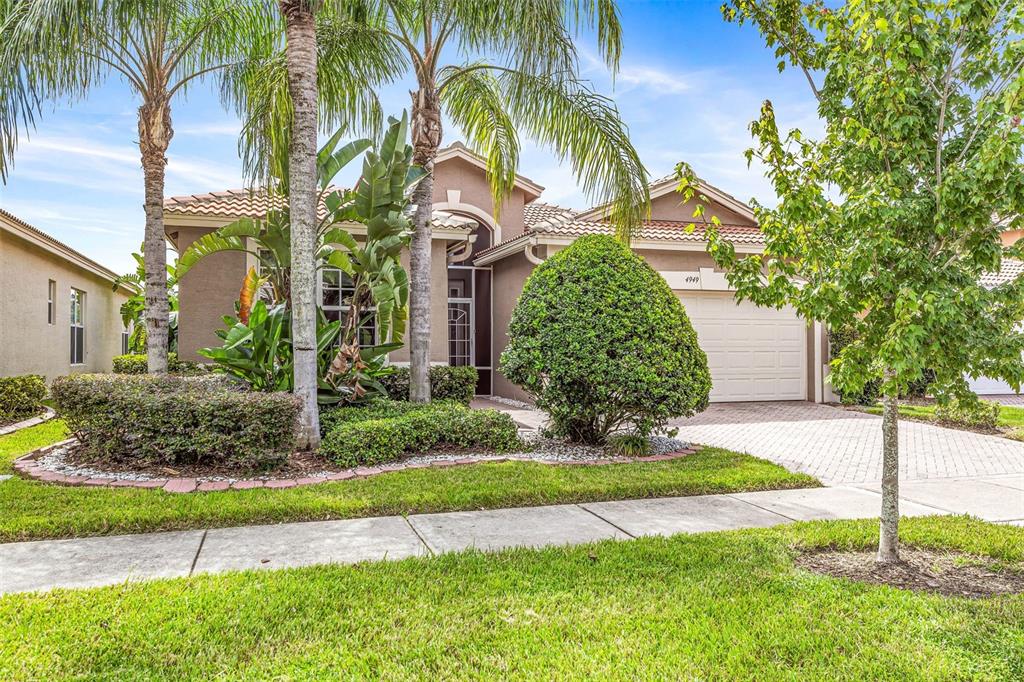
51 465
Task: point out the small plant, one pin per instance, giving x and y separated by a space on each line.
976 414
629 444
21 397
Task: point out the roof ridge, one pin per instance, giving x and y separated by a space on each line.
58 243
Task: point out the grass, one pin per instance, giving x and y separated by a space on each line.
1011 419
34 510
720 606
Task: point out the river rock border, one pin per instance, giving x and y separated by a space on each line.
27 467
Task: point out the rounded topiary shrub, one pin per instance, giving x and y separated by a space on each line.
599 340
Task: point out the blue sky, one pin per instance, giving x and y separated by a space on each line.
688 87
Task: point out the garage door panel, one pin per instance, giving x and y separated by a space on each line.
753 353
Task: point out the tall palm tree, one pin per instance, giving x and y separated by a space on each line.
301 59
59 50
532 86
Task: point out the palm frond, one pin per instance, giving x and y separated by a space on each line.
473 99
584 128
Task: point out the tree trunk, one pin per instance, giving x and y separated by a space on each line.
155 134
301 58
426 138
888 540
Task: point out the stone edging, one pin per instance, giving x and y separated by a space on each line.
27 467
47 415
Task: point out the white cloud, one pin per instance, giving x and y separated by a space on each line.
657 81
221 128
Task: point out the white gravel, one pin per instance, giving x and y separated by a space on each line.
539 449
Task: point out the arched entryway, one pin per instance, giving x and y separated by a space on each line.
469 309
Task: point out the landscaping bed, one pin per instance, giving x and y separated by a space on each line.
714 606
30 509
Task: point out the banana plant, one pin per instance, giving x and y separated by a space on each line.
258 349
379 203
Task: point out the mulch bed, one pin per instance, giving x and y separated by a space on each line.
952 574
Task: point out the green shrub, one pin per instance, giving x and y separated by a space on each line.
176 420
870 394
374 409
975 413
135 363
600 340
21 397
446 383
386 430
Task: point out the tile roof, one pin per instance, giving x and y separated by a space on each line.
241 203
537 211
1009 271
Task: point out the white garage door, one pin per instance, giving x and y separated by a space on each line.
986 386
753 353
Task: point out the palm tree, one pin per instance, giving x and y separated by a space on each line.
59 50
532 87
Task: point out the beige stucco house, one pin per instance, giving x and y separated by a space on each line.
59 313
482 257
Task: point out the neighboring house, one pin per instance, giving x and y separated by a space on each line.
59 313
482 257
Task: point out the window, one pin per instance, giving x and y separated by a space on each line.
126 335
336 290
51 302
77 327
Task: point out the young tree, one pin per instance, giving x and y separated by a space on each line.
57 50
888 221
532 87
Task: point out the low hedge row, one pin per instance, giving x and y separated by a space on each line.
976 414
446 383
135 363
21 397
386 430
176 420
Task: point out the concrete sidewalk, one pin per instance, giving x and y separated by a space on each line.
90 562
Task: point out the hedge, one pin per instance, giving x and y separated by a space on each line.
600 341
135 363
387 430
176 420
446 383
971 413
21 397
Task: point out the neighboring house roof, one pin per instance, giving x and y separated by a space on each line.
668 184
33 235
240 203
461 151
1010 270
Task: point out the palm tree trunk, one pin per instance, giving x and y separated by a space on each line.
301 57
155 132
888 540
426 139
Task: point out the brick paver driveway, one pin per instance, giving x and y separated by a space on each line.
842 446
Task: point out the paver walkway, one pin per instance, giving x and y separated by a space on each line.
90 562
844 446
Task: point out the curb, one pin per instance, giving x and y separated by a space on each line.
26 466
47 415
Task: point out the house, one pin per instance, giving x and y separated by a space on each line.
59 313
483 254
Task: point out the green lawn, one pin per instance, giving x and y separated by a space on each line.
33 510
721 606
1009 417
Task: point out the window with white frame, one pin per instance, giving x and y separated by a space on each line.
77 327
51 302
126 337
336 290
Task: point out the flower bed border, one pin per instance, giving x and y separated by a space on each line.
26 466
47 415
